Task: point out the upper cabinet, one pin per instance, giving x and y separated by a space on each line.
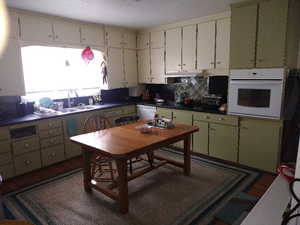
157 39
222 44
189 36
261 39
14 30
11 73
34 28
143 40
173 50
129 39
92 34
115 68
157 66
144 66
120 38
130 68
66 32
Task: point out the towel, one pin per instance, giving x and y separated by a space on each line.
71 127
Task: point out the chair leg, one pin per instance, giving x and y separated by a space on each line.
130 166
150 156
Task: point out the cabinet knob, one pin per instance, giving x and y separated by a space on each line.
52 141
51 132
50 125
52 155
244 128
83 39
260 60
212 129
26 145
50 36
184 64
179 64
27 162
205 117
218 62
220 118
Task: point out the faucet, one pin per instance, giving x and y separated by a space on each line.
71 91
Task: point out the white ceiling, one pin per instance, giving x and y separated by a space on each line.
128 13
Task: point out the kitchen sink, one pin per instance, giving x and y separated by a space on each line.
77 108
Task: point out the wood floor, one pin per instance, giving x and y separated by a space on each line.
257 189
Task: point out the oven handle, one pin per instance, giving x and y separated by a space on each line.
257 82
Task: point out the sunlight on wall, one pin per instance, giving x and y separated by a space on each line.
3 26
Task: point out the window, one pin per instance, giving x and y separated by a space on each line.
52 71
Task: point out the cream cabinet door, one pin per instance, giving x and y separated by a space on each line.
130 67
143 40
11 72
35 28
189 48
115 68
157 39
183 117
200 138
66 32
223 44
173 51
206 45
92 35
129 39
13 25
114 37
144 66
157 66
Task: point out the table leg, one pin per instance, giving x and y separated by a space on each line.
122 185
86 169
187 155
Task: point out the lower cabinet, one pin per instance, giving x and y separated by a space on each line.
27 162
183 117
165 113
223 142
72 149
260 142
53 155
200 138
7 171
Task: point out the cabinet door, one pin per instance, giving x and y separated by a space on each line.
223 44
143 40
115 68
157 66
92 35
130 67
11 73
260 140
243 36
157 39
200 138
206 45
13 25
183 117
189 48
114 37
223 142
173 50
144 66
163 112
129 39
35 28
66 32
271 36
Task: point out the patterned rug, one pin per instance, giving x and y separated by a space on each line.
161 197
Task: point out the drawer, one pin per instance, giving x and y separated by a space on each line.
224 119
45 143
162 112
4 133
5 158
5 146
27 145
72 149
46 124
27 162
7 171
51 132
199 116
113 113
53 155
128 109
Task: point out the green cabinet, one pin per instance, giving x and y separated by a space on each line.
183 117
243 36
260 142
223 142
163 112
200 138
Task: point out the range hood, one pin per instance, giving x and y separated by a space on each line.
174 75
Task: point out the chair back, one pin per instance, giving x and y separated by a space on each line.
95 123
126 120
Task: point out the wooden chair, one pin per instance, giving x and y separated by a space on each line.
127 120
101 169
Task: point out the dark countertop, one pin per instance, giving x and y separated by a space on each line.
197 108
34 117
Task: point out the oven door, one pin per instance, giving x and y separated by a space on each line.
258 98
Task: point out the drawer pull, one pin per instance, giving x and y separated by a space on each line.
50 125
205 117
26 145
27 162
52 155
244 128
220 118
52 141
51 132
212 129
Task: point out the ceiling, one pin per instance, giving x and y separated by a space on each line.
128 13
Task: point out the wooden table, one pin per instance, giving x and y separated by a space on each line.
126 142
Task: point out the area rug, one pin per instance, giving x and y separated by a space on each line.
162 197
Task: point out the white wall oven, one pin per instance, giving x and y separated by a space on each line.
256 93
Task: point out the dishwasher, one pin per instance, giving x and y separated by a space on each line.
146 112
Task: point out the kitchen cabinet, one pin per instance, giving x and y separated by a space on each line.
14 30
92 35
144 66
34 28
115 68
200 138
157 39
120 38
183 117
66 32
223 141
173 51
222 45
164 113
260 143
189 36
11 73
260 39
206 45
157 66
143 40
130 68
27 162
129 40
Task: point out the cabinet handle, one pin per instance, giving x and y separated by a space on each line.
179 64
83 39
52 141
52 155
50 125
27 162
244 128
51 132
184 71
50 36
251 60
220 118
205 117
212 129
184 64
26 145
218 62
260 60
212 63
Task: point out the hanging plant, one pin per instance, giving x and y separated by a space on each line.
87 55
